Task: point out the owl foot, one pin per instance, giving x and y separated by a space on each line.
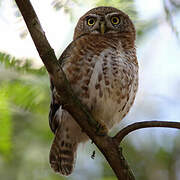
120 150
101 129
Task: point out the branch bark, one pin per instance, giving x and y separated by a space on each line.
145 124
107 145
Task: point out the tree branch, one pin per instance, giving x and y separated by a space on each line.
145 124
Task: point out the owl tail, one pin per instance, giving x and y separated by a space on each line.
63 153
67 137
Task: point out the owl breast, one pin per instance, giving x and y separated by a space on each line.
105 80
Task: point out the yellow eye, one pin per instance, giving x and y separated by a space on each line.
91 21
115 20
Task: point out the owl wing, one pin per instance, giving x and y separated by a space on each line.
77 61
55 103
68 134
54 106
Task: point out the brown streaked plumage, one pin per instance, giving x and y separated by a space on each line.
102 67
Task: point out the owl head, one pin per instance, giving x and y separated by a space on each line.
104 21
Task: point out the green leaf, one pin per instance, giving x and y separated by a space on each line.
5 125
19 65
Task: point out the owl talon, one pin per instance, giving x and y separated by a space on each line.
120 149
101 130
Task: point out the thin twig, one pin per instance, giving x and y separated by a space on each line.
145 124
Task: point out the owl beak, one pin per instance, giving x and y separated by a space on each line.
102 27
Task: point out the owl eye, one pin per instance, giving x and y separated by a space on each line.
115 20
91 21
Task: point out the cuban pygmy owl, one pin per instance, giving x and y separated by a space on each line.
102 68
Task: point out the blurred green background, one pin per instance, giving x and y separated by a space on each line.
25 136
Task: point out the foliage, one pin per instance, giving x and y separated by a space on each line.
24 99
21 66
5 124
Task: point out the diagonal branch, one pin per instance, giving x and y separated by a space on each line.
105 143
145 124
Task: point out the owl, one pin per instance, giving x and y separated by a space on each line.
102 68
